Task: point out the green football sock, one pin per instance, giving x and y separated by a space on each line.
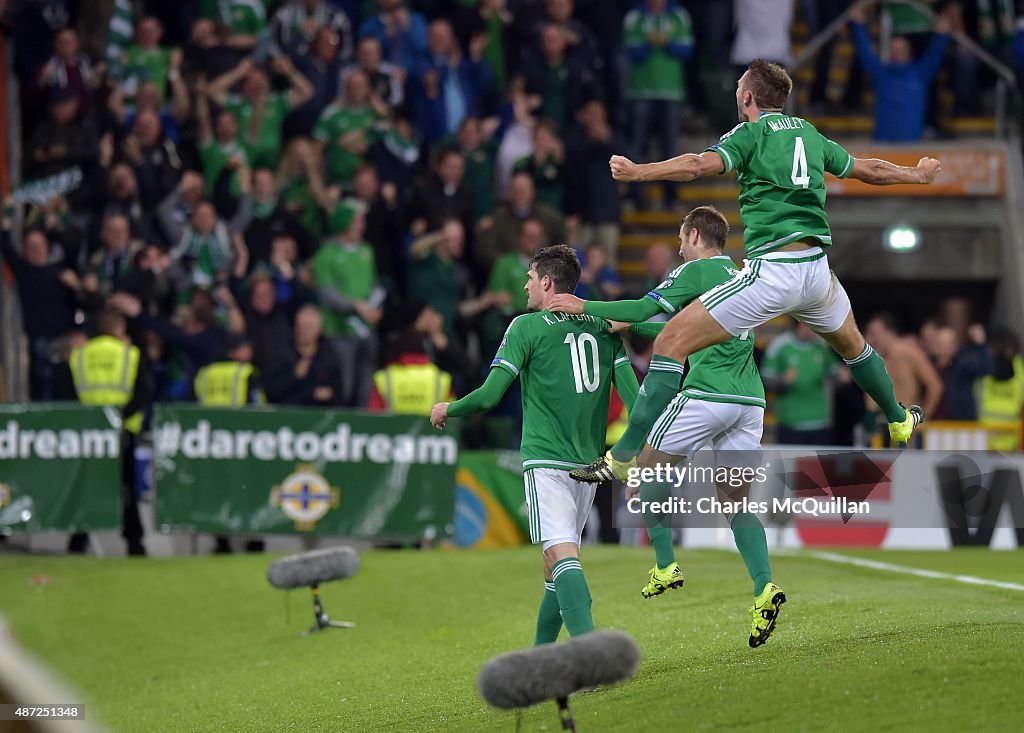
753 547
660 385
659 526
549 618
869 372
573 596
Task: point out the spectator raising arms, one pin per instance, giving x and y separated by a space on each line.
402 33
348 127
658 37
259 111
902 84
447 87
46 290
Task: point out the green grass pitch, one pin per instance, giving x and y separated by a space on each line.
204 644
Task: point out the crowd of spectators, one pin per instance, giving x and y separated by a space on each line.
951 365
312 176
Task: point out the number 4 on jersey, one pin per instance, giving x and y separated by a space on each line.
800 176
586 377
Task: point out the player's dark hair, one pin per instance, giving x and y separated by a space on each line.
710 224
769 83
560 263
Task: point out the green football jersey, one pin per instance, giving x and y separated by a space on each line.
804 404
724 372
265 150
334 123
780 165
565 364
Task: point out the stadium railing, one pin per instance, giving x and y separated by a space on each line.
957 435
1006 80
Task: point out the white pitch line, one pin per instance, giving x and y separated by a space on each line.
889 567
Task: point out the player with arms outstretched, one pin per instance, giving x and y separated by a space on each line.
721 404
566 365
781 163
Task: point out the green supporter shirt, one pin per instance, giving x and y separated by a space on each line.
441 283
149 65
553 94
246 17
547 179
214 158
660 75
479 177
906 19
265 149
780 165
351 271
334 123
509 276
299 199
565 364
804 404
721 373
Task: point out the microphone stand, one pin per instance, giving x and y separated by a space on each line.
565 715
323 621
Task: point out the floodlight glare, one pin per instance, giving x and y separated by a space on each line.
901 238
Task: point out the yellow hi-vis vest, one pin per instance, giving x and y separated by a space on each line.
1000 402
104 372
223 384
412 389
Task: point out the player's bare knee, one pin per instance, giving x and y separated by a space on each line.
848 341
730 493
559 552
650 457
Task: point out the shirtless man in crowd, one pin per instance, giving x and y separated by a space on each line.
914 379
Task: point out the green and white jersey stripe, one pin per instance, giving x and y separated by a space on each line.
780 163
565 365
724 372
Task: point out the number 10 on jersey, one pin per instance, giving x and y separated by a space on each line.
585 375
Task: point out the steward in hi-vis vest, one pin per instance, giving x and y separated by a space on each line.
108 371
232 382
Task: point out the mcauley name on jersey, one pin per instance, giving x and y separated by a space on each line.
785 123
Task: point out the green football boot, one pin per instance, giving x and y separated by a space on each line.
663 580
765 614
900 432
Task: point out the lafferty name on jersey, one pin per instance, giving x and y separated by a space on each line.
553 319
785 123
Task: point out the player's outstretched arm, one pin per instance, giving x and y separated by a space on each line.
631 311
879 172
484 398
686 167
648 330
